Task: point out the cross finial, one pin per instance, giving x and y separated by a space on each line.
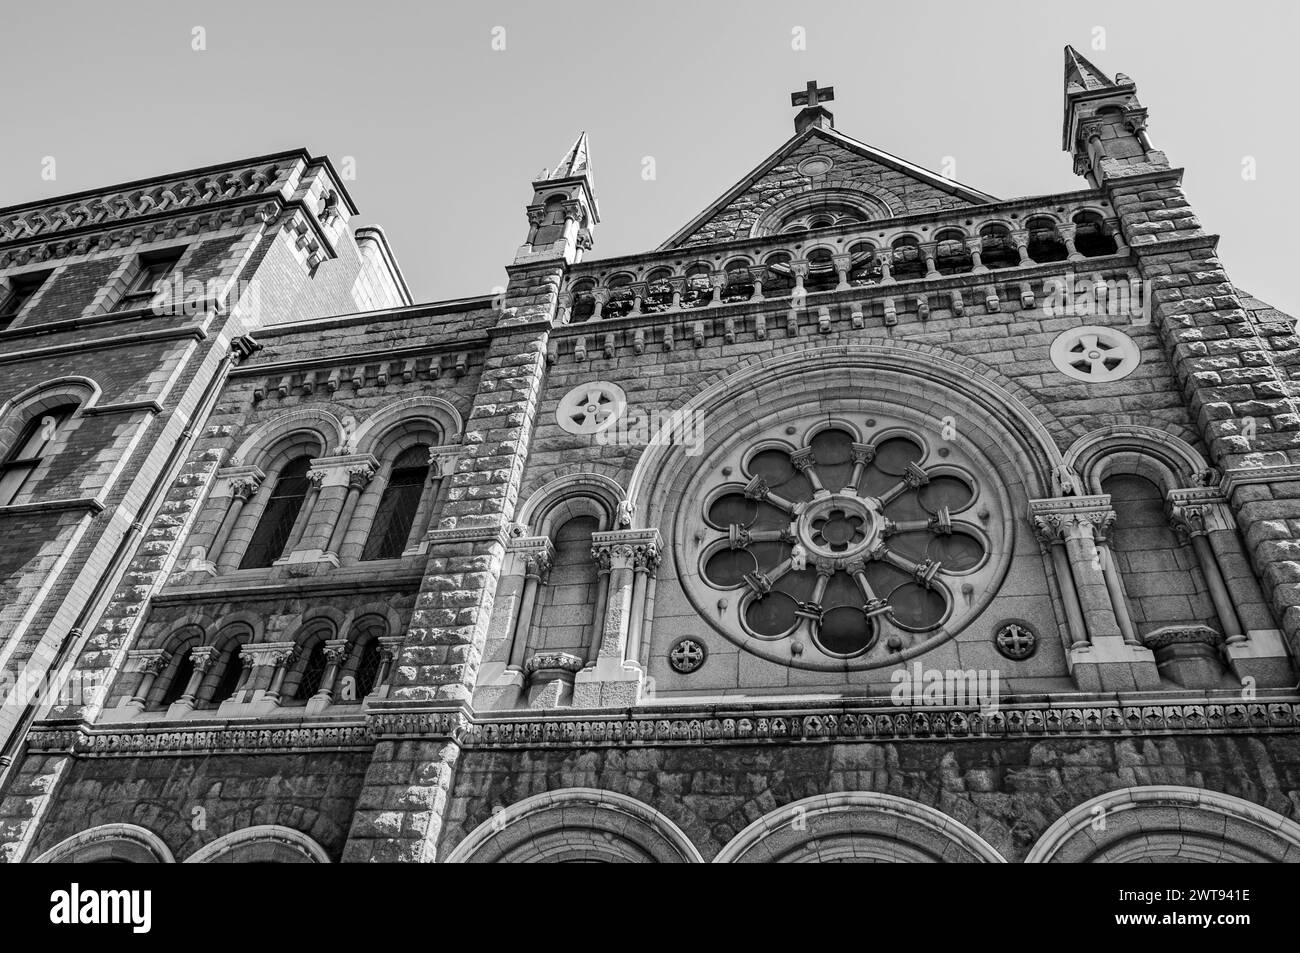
812 96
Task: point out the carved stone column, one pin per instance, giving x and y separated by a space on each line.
240 484
341 479
336 652
358 476
1188 521
202 658
537 568
1255 648
1109 660
616 677
645 565
525 568
279 656
150 664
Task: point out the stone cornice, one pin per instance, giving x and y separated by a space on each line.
493 532
194 331
90 503
809 723
225 588
471 345
146 204
1244 476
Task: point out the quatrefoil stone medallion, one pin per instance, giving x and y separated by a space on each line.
590 408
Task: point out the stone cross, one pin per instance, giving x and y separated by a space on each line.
812 96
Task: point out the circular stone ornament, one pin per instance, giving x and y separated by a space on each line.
1095 354
590 408
687 655
1015 640
816 166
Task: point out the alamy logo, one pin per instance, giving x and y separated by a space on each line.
941 687
75 906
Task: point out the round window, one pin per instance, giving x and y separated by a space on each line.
831 545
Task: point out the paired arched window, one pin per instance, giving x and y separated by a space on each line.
278 518
395 516
33 446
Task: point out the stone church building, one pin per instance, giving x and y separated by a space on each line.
868 517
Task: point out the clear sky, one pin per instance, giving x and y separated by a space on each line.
446 131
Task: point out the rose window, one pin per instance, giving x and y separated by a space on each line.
846 550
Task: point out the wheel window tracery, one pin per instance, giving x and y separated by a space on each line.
849 545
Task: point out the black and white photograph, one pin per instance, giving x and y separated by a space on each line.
649 432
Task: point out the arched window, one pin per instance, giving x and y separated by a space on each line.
621 298
864 267
313 672
232 670
908 262
951 255
281 512
567 611
368 667
739 283
779 278
32 446
1045 243
997 248
227 672
584 301
1091 237
1161 578
181 670
699 287
658 291
397 507
822 275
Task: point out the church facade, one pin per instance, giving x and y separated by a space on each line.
869 517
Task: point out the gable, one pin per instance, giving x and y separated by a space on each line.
823 167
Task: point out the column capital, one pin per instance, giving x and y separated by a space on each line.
535 553
241 481
1072 517
267 653
152 661
638 549
390 645
343 469
203 656
442 459
336 649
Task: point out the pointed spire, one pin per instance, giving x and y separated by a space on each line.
1079 72
577 161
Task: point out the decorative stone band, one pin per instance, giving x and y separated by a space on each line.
1182 635
553 662
703 725
496 532
209 739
